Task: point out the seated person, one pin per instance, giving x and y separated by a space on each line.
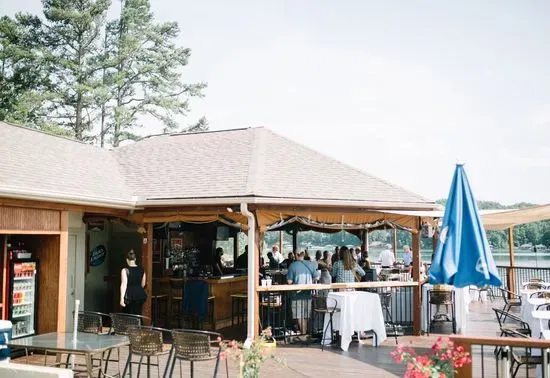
286 262
218 265
242 260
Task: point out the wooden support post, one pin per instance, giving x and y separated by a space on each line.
62 278
147 264
364 246
435 239
257 249
394 240
4 313
511 272
295 240
281 233
417 292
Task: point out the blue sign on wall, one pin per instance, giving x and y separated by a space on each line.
97 255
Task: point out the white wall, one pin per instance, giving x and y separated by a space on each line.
76 264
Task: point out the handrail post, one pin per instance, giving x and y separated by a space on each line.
417 291
465 371
505 362
545 363
511 272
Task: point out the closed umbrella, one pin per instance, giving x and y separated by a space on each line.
462 256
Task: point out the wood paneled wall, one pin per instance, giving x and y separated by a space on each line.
46 249
27 219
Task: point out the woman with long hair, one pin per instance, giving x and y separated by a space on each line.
132 284
325 266
346 269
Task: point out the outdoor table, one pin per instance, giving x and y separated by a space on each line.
86 344
359 311
536 325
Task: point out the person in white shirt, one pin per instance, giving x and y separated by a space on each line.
386 258
277 254
407 255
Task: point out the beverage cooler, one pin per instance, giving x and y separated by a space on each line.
23 297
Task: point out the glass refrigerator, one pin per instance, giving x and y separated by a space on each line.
23 297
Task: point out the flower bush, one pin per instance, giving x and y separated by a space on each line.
441 362
251 358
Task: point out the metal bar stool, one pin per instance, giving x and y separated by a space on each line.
238 307
324 305
157 299
441 298
176 298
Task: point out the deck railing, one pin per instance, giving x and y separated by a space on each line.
280 307
514 277
504 357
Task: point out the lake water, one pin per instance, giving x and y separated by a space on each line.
501 256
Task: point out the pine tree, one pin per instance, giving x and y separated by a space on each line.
145 71
72 42
23 71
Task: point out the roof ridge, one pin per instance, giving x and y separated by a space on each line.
257 156
324 155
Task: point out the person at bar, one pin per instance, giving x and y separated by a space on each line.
347 270
407 255
132 286
277 254
242 260
218 265
273 263
301 272
325 266
286 262
386 259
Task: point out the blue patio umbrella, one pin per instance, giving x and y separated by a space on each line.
462 256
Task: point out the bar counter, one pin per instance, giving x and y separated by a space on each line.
220 288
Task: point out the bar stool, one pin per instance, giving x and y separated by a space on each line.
196 296
238 307
441 298
176 298
273 314
156 300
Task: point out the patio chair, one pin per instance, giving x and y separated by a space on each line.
324 305
523 357
195 346
385 301
147 342
533 286
121 324
511 299
91 322
520 325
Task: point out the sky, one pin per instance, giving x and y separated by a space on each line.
403 89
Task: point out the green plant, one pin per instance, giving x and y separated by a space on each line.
440 362
251 357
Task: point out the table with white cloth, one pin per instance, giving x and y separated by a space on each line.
462 301
528 305
359 311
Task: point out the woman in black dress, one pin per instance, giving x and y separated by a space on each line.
132 283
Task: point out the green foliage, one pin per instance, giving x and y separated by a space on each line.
90 77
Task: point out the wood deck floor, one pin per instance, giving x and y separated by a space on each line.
310 361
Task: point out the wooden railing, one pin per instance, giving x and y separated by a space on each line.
338 286
498 357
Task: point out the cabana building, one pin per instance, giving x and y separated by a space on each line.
77 209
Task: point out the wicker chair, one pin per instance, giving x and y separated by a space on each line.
324 305
195 346
533 286
510 300
441 298
120 325
92 322
147 342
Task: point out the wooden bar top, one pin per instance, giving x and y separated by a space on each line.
211 281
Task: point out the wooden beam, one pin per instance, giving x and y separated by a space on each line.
417 293
60 206
281 233
465 371
147 263
257 250
364 244
29 232
4 310
394 240
511 272
295 240
63 273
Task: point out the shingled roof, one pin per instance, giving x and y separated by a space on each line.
253 164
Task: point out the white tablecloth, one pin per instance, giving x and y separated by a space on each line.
462 302
359 311
528 305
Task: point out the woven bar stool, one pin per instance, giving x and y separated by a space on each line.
176 297
147 342
120 325
441 298
157 299
195 346
238 307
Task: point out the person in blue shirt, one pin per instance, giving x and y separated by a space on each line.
301 272
407 256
